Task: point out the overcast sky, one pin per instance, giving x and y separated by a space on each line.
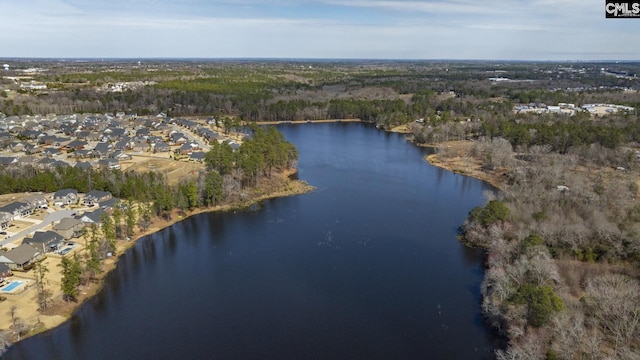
359 29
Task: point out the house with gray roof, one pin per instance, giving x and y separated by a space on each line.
101 149
161 147
21 258
45 241
85 165
69 227
17 209
50 151
6 160
178 138
114 134
95 196
110 164
109 204
5 272
37 201
16 146
77 144
119 155
47 139
198 156
5 219
122 145
65 197
92 217
185 149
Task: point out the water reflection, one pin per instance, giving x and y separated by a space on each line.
365 267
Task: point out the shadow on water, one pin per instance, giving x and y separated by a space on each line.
391 281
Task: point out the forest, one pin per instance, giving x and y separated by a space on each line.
228 176
561 232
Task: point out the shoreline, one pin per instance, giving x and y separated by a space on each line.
462 163
61 311
494 180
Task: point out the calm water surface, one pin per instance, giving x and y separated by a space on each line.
365 267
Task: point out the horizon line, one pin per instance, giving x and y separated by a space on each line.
300 59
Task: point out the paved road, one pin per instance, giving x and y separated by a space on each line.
52 217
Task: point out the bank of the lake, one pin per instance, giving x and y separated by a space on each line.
280 185
367 265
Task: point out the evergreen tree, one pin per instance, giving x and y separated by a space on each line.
44 294
71 271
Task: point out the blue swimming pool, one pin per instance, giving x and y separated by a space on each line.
12 286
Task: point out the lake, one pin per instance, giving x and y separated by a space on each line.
365 267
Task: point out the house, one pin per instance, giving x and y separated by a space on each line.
17 209
77 144
161 147
32 149
210 135
65 197
37 201
114 134
5 219
198 156
155 139
84 165
82 134
92 217
45 241
185 149
143 133
178 138
45 163
47 139
51 152
95 196
122 145
101 149
21 258
109 204
16 146
111 164
59 164
69 228
82 154
139 146
5 272
119 155
8 160
27 160
30 134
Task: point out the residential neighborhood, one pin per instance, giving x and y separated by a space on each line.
42 224
35 226
104 141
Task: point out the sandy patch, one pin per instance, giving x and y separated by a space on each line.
459 161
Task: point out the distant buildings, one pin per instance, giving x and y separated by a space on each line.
572 109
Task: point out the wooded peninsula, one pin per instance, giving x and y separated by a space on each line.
560 141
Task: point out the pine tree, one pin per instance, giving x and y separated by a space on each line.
71 272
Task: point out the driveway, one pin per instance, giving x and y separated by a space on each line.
52 217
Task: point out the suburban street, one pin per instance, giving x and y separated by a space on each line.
52 217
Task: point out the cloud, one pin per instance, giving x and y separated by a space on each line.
420 6
518 29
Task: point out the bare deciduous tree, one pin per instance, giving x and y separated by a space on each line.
614 301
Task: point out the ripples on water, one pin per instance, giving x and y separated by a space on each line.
365 267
